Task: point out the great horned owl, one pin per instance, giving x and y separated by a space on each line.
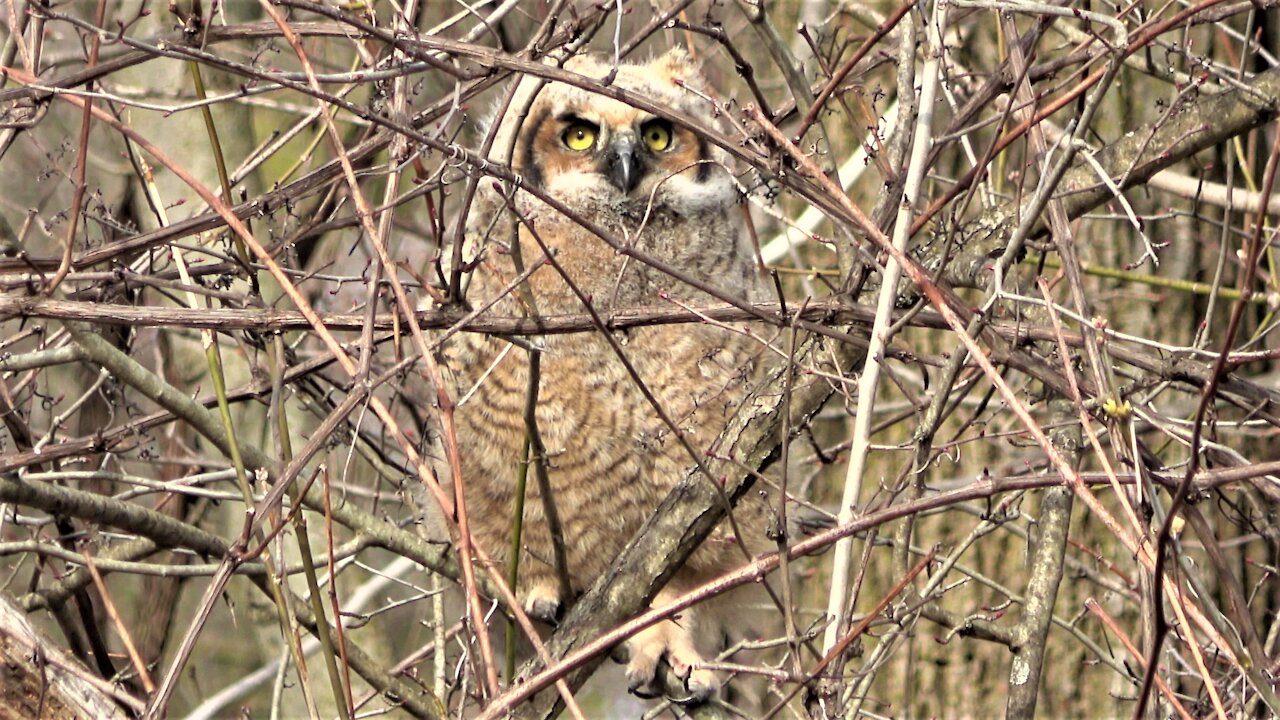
610 458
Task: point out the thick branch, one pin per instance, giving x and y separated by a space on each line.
1130 162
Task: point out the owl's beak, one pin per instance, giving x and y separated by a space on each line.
621 165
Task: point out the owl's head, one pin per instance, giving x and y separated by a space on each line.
590 151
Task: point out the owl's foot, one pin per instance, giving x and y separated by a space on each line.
674 643
542 603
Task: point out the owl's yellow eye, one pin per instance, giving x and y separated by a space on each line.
657 135
579 136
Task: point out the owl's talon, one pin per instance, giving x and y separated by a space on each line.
642 666
670 642
642 690
701 685
542 606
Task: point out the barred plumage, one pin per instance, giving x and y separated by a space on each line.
610 458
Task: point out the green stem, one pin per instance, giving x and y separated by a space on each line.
224 179
1197 288
214 358
324 632
517 520
340 697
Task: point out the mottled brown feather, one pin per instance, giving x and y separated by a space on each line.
610 457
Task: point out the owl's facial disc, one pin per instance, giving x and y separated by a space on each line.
621 165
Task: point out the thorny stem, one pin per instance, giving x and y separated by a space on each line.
82 164
1162 549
